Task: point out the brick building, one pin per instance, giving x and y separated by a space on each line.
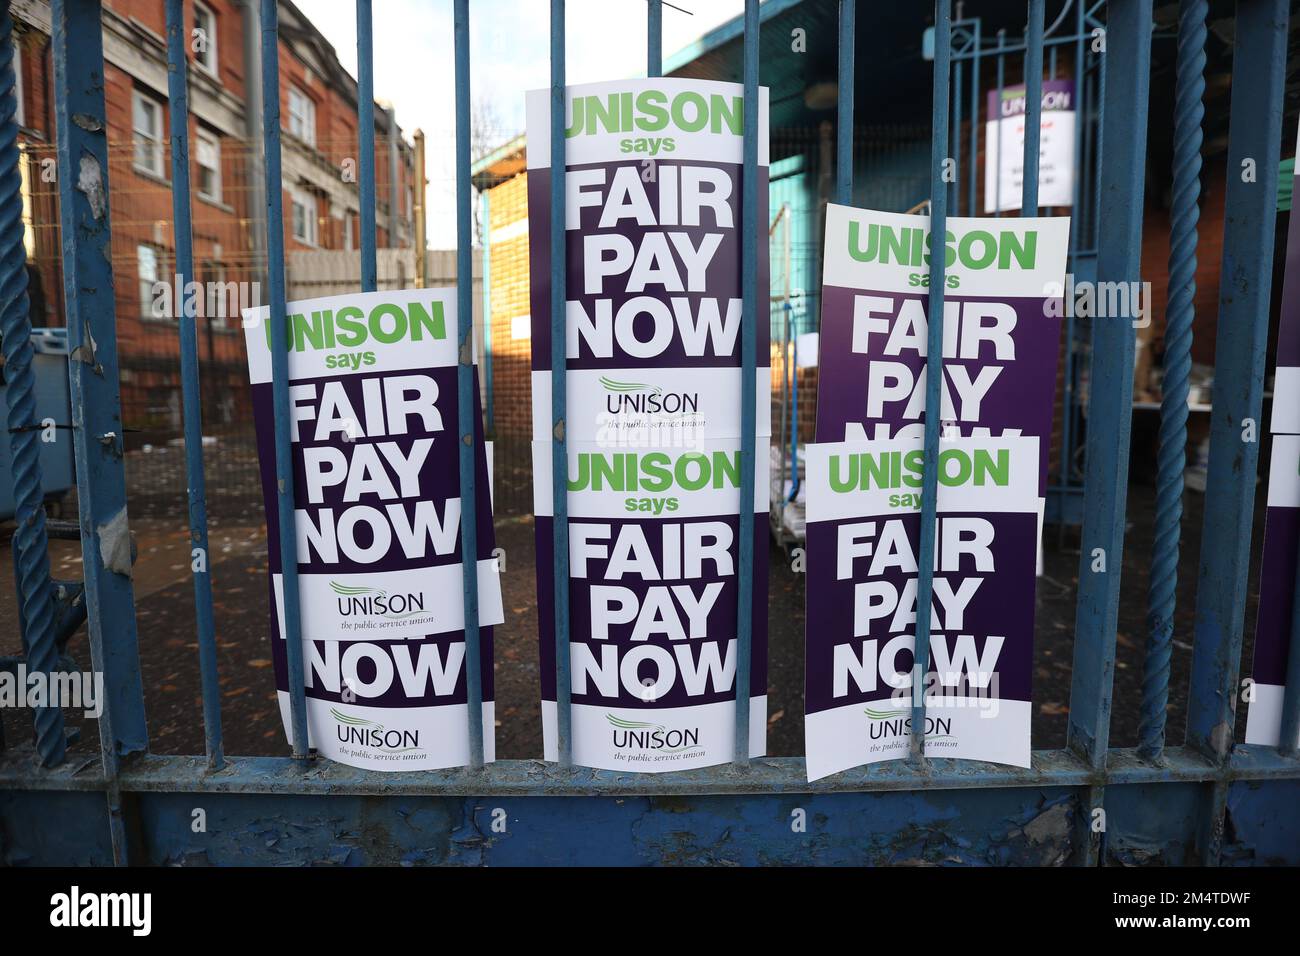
318 107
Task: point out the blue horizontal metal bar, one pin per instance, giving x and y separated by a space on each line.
933 370
281 775
195 484
1255 132
285 512
465 386
753 223
366 143
1127 82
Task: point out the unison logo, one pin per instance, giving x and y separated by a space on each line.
894 723
640 398
642 735
367 733
374 602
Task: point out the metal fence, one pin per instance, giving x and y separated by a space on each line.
1204 800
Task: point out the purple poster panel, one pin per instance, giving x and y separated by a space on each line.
1277 577
654 554
1282 521
1286 383
864 522
1001 325
373 419
653 382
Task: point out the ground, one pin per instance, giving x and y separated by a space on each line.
251 723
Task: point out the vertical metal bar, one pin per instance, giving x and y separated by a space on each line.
1175 384
366 142
30 544
196 488
1110 402
973 170
997 116
81 127
421 215
1033 108
465 387
280 373
1076 224
844 109
753 224
654 65
77 41
933 371
1255 131
485 207
956 94
559 394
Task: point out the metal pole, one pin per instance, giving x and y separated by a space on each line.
933 371
1033 108
365 142
1180 314
559 394
421 216
753 224
844 107
280 375
654 38
465 388
196 488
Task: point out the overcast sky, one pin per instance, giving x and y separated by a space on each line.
509 54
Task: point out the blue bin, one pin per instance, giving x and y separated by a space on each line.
50 365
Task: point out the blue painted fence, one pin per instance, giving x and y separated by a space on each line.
1205 801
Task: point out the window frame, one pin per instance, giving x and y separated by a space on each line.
306 122
210 139
153 140
301 197
146 295
202 60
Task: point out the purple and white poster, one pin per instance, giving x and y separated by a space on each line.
653 382
373 412
1001 327
1277 577
1277 574
1004 154
1286 381
864 522
1004 280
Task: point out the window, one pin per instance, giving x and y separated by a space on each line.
147 124
209 156
205 38
348 241
302 116
302 207
148 268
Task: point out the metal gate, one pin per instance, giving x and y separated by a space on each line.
1206 800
